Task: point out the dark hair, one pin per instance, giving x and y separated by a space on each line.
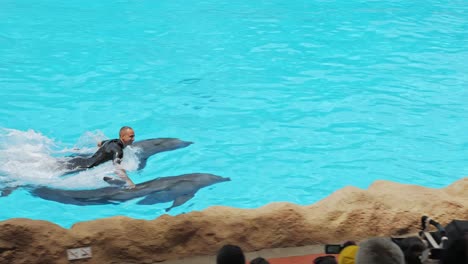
122 129
328 259
230 254
348 243
259 260
412 248
456 252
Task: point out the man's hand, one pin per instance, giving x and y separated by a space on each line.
123 175
130 185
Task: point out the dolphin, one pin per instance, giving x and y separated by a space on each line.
145 149
149 147
178 189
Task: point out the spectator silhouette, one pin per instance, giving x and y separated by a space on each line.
379 250
230 254
259 260
348 254
349 243
456 252
328 259
412 248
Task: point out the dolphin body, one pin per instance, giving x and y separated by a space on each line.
178 189
149 147
146 149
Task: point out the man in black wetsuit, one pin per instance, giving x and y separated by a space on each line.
108 150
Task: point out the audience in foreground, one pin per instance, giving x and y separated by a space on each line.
230 254
259 260
379 250
412 247
329 259
456 252
348 254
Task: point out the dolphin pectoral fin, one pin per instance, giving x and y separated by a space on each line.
180 200
153 198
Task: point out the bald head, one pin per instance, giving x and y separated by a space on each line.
127 135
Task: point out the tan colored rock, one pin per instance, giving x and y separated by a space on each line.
386 208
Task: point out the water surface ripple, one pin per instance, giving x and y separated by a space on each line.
292 100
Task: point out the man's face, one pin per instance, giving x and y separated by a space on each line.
127 137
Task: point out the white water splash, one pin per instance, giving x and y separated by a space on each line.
86 144
30 158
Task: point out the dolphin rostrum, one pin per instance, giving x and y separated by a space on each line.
178 189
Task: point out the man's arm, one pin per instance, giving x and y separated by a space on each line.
120 171
99 144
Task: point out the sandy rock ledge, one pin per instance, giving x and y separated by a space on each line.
386 208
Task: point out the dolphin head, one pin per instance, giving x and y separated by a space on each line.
152 146
147 148
208 179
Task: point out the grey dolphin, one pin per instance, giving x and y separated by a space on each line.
149 147
146 149
178 189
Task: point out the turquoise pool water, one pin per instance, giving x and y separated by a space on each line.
290 99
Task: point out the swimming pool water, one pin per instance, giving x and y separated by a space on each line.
290 99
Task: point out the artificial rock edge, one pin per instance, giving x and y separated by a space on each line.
384 209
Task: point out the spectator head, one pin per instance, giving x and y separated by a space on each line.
230 254
349 243
456 252
259 260
379 250
348 255
328 259
412 248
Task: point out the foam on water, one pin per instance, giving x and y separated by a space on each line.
290 99
30 158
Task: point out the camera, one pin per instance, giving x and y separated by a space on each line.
333 248
336 248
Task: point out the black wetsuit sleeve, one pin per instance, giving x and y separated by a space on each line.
111 150
117 154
